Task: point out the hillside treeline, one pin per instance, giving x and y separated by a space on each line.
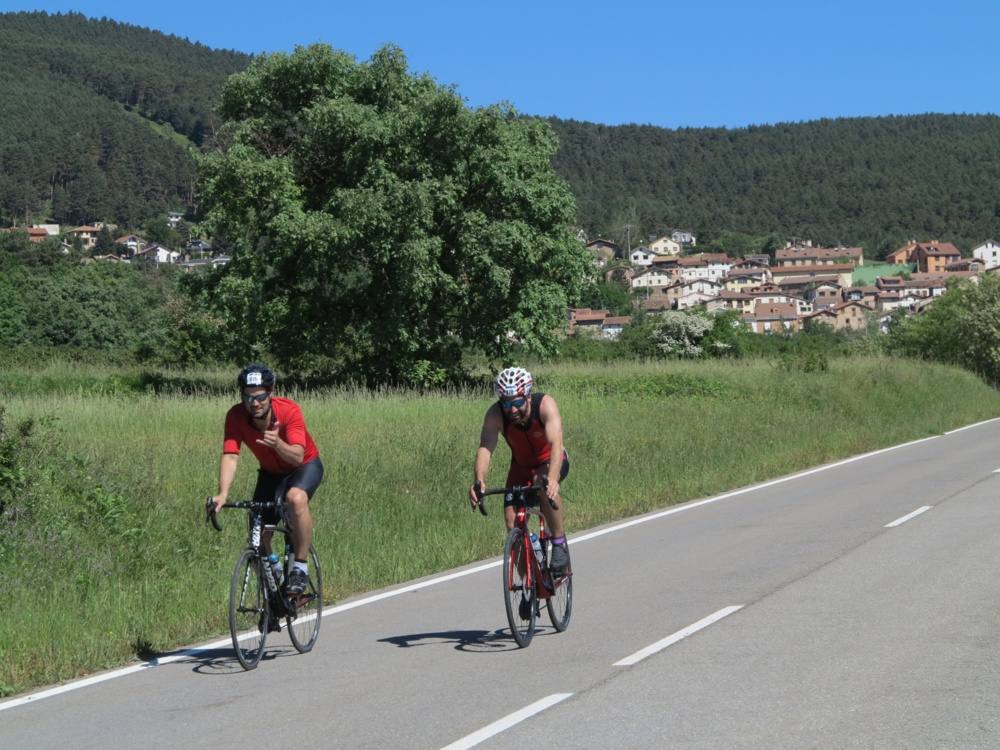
99 118
873 182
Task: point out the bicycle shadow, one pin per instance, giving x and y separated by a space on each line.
472 641
216 661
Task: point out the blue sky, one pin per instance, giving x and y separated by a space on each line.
674 64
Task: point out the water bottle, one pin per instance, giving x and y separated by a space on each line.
537 546
275 563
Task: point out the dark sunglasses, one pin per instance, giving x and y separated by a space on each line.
514 403
260 398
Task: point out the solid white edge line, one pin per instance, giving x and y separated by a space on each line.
471 740
743 491
680 635
908 516
87 681
970 426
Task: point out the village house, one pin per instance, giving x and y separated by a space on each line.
603 251
641 256
586 320
665 246
824 294
87 234
130 244
612 326
746 280
652 278
852 316
153 252
988 252
34 234
684 237
933 257
730 300
772 295
819 256
691 293
773 318
933 284
927 255
841 273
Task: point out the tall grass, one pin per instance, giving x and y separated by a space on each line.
112 559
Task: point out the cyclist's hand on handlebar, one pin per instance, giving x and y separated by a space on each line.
475 495
552 490
216 502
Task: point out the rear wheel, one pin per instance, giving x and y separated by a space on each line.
303 629
561 602
518 591
249 614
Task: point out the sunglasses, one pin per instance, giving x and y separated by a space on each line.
260 398
514 403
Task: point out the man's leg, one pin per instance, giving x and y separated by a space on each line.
297 503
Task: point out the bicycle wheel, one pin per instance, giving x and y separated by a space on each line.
303 629
518 593
561 602
249 614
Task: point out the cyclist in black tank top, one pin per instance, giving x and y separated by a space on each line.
532 427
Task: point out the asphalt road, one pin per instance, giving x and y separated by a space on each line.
791 615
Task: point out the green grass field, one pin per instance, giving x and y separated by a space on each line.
105 557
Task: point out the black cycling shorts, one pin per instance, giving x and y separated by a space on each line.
518 474
271 487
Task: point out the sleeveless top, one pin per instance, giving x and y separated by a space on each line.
528 445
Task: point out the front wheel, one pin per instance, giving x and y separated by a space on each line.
560 604
518 588
303 629
249 613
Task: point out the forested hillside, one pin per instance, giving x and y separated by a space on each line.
872 182
99 118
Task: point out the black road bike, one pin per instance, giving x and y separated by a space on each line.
257 601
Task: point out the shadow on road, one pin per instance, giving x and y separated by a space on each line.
222 661
475 641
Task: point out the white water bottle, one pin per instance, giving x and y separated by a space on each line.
537 546
275 563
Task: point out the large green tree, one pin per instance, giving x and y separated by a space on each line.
378 225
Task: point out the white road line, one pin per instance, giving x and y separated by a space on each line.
680 635
970 426
908 516
996 471
471 740
459 574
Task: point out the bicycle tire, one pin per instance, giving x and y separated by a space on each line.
249 613
519 598
560 603
303 629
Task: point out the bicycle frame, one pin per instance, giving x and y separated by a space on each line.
538 574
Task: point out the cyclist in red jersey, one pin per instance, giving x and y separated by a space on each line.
275 432
532 427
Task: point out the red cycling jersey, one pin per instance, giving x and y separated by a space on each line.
291 428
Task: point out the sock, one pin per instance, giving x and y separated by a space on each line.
560 540
301 565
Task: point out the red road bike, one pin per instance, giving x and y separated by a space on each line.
527 580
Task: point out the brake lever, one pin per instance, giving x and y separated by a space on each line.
210 515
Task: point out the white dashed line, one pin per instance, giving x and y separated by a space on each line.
908 516
471 740
680 635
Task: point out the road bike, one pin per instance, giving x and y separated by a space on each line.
257 601
527 579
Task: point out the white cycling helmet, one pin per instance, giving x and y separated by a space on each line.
514 381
